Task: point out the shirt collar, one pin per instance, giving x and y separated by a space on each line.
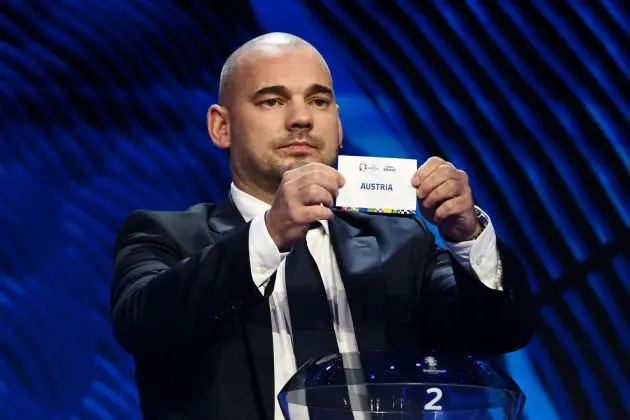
250 207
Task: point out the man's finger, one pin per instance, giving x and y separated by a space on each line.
314 213
320 167
316 194
436 178
451 207
309 167
324 179
448 189
426 169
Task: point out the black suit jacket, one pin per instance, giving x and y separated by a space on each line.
184 304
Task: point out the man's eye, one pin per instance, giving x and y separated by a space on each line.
269 102
320 102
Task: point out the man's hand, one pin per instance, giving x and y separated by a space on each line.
446 199
305 195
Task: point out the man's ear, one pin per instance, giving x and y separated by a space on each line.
340 129
218 126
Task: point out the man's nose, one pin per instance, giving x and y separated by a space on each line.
300 117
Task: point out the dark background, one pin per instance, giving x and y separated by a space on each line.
102 111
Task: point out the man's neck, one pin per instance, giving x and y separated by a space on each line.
253 190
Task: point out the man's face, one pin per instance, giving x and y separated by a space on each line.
282 114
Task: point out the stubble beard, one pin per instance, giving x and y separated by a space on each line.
269 176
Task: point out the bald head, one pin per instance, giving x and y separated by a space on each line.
270 42
277 111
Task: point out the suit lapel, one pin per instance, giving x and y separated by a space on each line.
225 217
360 266
256 321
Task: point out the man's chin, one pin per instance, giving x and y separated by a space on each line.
298 163
280 166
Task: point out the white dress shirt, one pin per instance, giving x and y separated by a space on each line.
479 255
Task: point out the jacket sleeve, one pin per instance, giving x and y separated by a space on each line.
159 299
459 313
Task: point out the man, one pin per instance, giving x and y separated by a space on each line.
210 301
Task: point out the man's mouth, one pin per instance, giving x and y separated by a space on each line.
298 146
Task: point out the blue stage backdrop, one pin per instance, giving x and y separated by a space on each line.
102 111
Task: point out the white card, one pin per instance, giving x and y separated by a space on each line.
377 185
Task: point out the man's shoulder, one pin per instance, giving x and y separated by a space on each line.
187 227
196 213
